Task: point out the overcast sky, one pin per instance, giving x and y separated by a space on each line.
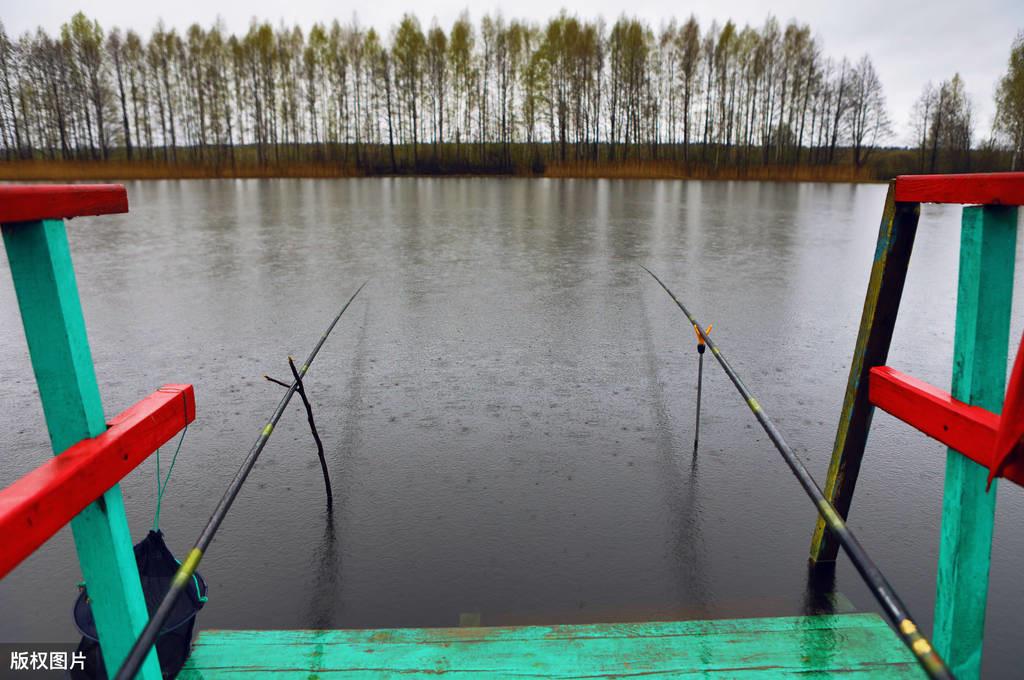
910 41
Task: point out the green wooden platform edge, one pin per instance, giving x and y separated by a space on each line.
807 646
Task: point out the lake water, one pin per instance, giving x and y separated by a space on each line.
508 407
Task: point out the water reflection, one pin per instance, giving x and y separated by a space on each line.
681 488
325 600
820 593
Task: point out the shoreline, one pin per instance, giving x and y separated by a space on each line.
49 171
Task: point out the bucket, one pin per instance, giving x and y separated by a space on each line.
157 566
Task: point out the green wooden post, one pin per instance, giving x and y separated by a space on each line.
987 250
881 304
44 281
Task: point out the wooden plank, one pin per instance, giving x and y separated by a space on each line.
881 304
1008 451
969 430
980 347
44 281
33 202
992 188
852 644
38 505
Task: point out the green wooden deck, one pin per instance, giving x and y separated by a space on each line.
861 645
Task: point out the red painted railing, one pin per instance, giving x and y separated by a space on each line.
991 188
36 506
971 430
25 202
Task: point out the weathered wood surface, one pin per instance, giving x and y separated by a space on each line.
991 188
988 245
33 202
881 304
39 504
858 645
44 281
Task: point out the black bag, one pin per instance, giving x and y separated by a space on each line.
157 567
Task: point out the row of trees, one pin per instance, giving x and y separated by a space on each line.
943 121
485 96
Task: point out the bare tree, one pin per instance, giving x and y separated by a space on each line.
866 115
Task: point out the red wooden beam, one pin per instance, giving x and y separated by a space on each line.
971 430
991 188
36 506
1008 451
30 202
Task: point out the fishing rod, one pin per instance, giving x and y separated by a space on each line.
183 576
879 586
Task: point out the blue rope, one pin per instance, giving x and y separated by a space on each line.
160 488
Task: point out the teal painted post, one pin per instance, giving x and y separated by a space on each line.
44 281
987 250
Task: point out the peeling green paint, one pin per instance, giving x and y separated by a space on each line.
860 645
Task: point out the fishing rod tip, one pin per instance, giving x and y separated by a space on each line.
644 267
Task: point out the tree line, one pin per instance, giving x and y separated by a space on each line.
498 95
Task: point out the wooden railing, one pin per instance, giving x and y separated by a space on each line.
80 485
40 503
965 418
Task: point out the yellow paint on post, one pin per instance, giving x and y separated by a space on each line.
878 318
830 513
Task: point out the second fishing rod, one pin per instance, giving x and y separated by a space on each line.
893 607
145 641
